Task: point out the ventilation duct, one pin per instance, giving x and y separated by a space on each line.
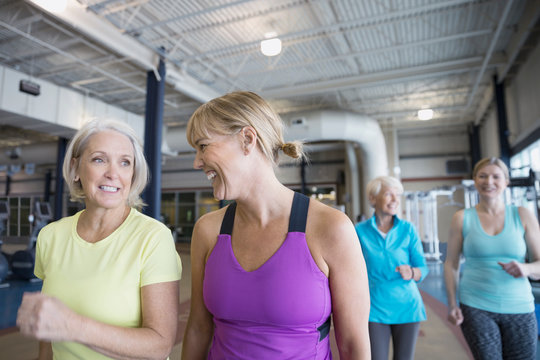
364 132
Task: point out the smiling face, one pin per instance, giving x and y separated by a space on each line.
490 181
386 202
220 157
105 170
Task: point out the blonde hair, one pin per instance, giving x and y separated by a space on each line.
491 161
78 144
375 185
230 113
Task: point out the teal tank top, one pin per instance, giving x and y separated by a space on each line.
484 284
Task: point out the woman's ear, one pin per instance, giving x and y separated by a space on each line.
372 200
249 139
74 165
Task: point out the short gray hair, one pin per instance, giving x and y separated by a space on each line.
375 185
78 144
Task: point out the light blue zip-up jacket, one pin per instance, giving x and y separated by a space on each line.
393 300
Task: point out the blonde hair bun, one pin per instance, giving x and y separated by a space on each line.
293 149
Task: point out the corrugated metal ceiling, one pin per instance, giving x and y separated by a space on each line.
382 58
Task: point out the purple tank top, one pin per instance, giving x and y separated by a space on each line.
278 311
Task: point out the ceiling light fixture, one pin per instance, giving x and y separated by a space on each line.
425 114
272 45
54 6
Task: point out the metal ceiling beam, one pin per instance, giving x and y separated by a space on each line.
374 51
104 33
531 14
487 57
413 112
123 6
393 76
339 27
433 124
186 16
72 57
384 100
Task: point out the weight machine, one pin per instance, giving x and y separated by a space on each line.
421 209
22 262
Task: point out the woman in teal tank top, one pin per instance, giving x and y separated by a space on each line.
496 306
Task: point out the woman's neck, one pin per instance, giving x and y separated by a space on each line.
96 224
490 206
384 221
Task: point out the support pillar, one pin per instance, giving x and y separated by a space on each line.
474 144
155 94
502 121
59 183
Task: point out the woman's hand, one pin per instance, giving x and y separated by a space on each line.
455 316
44 317
405 271
515 268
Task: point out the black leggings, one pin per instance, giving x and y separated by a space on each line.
403 339
494 336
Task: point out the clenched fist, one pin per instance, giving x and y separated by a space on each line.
45 318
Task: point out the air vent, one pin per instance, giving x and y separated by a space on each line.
29 87
457 166
299 121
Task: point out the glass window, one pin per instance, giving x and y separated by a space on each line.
535 158
188 197
521 164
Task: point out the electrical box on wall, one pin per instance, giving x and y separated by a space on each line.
299 121
29 87
460 166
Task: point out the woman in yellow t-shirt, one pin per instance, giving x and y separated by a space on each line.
110 274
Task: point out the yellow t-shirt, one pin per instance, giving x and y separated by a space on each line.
103 280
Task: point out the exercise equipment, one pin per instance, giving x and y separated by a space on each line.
4 263
422 209
22 261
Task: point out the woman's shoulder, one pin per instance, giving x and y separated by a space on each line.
213 217
209 224
458 219
326 222
63 223
525 215
458 215
406 226
144 222
327 215
57 231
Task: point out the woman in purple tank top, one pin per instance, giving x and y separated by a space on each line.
270 269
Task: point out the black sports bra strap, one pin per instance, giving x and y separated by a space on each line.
228 220
299 210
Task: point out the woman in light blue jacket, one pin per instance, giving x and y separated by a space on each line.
395 263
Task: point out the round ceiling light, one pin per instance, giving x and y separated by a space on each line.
271 46
425 114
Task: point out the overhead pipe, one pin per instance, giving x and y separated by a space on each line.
330 125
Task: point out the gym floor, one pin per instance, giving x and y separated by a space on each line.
437 339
